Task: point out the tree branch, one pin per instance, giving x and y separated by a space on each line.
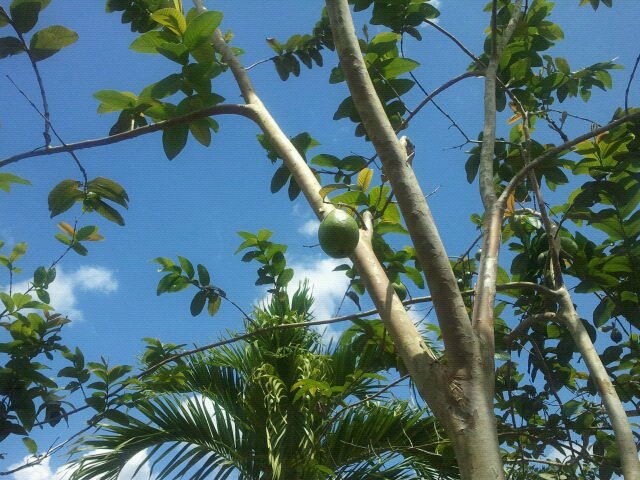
438 91
448 302
626 92
221 109
523 326
524 171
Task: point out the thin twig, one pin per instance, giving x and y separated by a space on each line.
260 62
437 91
455 40
43 94
524 325
626 93
47 122
38 460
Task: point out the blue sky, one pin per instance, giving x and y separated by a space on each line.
193 205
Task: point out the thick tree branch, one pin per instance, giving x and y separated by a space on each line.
487 275
419 358
448 302
615 410
221 109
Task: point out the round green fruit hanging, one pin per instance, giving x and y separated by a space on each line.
338 234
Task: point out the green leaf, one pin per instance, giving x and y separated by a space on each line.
50 41
170 18
398 66
325 160
187 266
164 88
197 304
80 249
18 251
201 28
31 445
214 304
171 283
174 140
201 131
24 14
63 196
149 42
116 100
108 212
10 46
107 188
602 313
203 275
6 179
40 276
285 277
280 178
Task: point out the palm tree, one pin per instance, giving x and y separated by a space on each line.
273 407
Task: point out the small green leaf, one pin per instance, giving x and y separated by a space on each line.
170 18
201 131
201 28
31 445
18 251
203 275
108 212
6 179
197 304
107 188
214 304
50 41
24 14
187 266
80 249
285 277
280 178
149 42
40 276
63 196
174 140
10 46
116 100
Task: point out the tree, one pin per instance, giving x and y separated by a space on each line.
272 407
463 386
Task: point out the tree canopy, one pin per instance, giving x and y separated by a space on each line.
526 361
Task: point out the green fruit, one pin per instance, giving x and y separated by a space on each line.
338 234
400 289
568 245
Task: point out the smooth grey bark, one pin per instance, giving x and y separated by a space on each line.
465 404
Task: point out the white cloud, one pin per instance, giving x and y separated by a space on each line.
43 471
63 291
328 288
309 228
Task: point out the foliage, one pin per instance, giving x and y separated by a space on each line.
272 406
280 388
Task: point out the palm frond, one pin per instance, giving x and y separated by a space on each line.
185 435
